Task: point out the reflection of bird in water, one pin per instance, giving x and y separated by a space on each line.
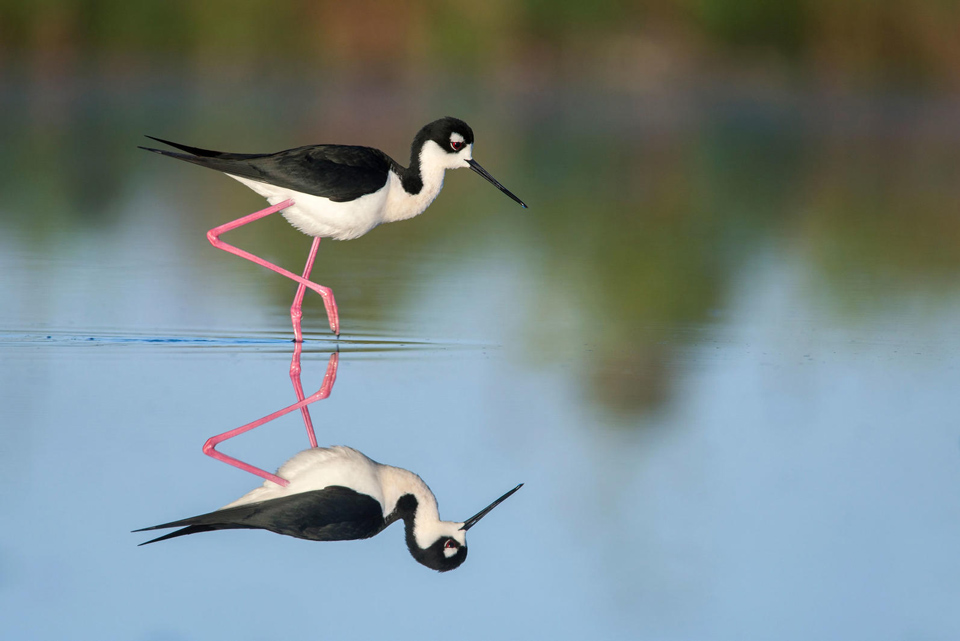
340 191
338 494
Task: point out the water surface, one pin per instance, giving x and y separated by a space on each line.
723 359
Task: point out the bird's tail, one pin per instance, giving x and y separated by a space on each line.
196 151
221 161
193 529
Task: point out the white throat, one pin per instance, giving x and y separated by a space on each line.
427 526
434 162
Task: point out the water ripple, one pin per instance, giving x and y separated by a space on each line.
272 342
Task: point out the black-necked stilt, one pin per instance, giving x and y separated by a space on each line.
339 191
338 494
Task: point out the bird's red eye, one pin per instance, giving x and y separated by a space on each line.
451 544
456 144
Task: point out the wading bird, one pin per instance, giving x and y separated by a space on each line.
338 494
339 191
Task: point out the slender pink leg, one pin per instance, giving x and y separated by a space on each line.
210 447
298 388
328 380
328 300
296 311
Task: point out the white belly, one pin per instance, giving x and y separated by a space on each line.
316 216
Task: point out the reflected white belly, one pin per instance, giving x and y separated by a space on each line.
317 468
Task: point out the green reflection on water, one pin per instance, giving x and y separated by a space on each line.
637 234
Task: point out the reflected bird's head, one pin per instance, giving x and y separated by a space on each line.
440 545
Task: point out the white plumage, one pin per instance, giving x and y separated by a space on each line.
321 467
324 218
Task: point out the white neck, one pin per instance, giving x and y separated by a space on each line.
427 526
396 482
433 163
402 205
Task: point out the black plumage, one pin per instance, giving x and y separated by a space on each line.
335 513
340 173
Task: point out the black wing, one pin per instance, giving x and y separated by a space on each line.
335 513
338 172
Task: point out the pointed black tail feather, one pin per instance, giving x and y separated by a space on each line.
222 519
227 163
212 519
193 529
196 151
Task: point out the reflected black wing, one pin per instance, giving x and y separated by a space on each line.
334 513
338 172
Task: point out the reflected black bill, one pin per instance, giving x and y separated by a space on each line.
469 523
474 165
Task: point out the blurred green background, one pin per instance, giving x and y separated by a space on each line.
616 44
662 145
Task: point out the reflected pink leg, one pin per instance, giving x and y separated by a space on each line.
328 380
298 388
328 300
210 447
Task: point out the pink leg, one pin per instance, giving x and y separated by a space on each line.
328 380
298 388
210 447
296 311
328 301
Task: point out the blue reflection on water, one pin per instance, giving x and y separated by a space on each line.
806 474
795 478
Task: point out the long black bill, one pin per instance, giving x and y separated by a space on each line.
469 523
474 165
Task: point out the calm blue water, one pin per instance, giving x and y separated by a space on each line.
730 390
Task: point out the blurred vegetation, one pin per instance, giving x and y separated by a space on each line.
628 43
662 145
637 234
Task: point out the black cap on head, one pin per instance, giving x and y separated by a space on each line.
435 559
439 131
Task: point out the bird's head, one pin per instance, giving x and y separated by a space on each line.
447 549
448 144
